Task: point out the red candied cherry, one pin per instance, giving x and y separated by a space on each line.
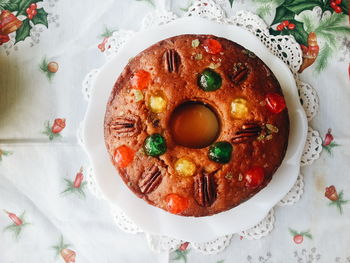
285 23
212 46
275 102
280 27
123 156
176 204
140 79
291 26
254 176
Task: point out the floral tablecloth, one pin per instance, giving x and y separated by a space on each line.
47 213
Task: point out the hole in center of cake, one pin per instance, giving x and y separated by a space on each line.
194 124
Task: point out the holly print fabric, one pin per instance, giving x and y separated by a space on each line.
47 213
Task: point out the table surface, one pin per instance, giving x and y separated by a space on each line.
48 214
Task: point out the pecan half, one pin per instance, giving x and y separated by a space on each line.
172 60
205 188
239 73
150 179
125 125
249 131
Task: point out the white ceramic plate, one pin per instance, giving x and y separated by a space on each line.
155 220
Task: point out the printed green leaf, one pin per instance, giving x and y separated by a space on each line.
23 5
282 14
11 5
40 17
299 32
321 62
23 32
293 232
297 6
231 2
345 6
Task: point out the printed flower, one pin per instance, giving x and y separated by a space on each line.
335 198
180 253
298 237
305 256
62 249
328 142
4 153
53 131
105 35
77 186
18 224
49 68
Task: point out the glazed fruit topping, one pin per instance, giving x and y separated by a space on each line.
155 145
157 102
140 80
248 132
185 167
150 179
172 60
176 204
239 73
254 177
125 125
275 102
239 108
212 46
205 189
209 80
123 156
220 152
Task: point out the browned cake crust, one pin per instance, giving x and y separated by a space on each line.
154 178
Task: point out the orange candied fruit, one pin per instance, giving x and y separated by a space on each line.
140 80
212 46
123 156
176 204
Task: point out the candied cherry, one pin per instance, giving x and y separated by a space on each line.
254 176
176 204
275 102
220 152
140 80
212 46
185 167
155 145
123 156
209 80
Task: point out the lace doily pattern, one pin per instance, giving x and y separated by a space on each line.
162 243
309 99
213 247
260 230
294 194
284 47
313 147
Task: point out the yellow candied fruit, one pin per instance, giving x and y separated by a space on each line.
157 103
239 108
185 167
137 94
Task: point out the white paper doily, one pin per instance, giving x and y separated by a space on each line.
284 47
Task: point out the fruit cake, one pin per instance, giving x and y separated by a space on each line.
196 125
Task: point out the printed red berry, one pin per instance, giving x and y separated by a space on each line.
78 178
298 239
58 125
34 12
4 39
333 4
275 102
285 23
254 176
33 6
291 26
331 193
212 46
123 156
176 204
140 80
102 45
338 2
184 246
52 67
28 11
328 138
16 220
338 9
280 27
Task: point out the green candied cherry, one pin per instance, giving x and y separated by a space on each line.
209 80
220 152
155 145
